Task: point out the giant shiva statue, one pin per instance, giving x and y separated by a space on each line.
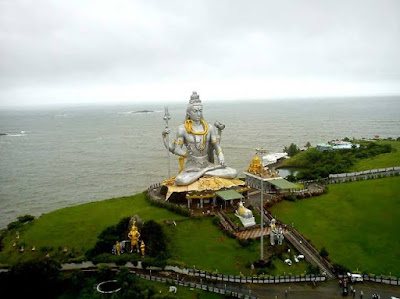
198 142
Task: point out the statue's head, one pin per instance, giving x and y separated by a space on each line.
194 110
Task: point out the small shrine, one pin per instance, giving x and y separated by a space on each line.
258 169
270 178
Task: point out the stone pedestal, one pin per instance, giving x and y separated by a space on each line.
247 222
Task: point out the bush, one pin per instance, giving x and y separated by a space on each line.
108 237
154 262
154 239
104 273
326 189
169 206
323 252
312 269
291 197
21 220
2 236
25 218
216 221
37 276
245 242
340 269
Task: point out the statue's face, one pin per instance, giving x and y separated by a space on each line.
195 112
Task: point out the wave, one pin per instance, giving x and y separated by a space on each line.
23 133
65 115
141 112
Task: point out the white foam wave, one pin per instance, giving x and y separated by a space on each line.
23 133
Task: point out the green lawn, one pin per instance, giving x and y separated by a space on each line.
199 243
77 227
193 242
381 161
297 160
183 292
358 223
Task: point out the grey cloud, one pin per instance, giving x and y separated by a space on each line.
73 45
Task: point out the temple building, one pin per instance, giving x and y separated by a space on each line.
271 180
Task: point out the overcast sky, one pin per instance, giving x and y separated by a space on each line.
58 52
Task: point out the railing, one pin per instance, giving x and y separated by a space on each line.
364 175
303 241
256 279
379 279
200 286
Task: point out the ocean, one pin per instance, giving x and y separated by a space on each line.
59 157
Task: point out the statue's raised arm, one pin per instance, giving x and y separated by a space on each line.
201 141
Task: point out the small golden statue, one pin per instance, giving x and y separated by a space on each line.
118 247
134 236
143 249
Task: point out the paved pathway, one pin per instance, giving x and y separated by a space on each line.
252 233
308 253
305 248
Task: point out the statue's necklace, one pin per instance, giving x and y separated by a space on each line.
189 130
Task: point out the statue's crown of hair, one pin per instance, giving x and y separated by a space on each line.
194 99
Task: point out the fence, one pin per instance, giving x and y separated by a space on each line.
153 186
255 279
379 279
200 286
363 175
303 241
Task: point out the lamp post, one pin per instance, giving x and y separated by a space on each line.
260 152
167 117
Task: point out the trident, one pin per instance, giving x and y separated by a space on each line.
167 117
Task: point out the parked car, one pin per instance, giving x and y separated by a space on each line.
354 277
300 257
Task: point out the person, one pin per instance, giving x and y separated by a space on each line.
201 142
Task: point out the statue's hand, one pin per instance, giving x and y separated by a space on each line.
221 159
165 132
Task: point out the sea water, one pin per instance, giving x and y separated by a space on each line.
54 158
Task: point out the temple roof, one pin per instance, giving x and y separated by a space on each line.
283 184
229 195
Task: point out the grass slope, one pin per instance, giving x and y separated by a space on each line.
356 222
381 161
77 227
192 242
199 243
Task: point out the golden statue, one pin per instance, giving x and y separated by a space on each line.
134 236
143 249
118 247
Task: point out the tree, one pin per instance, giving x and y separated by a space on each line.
154 239
308 144
38 276
323 252
292 150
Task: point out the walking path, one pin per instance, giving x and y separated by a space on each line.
252 233
305 248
